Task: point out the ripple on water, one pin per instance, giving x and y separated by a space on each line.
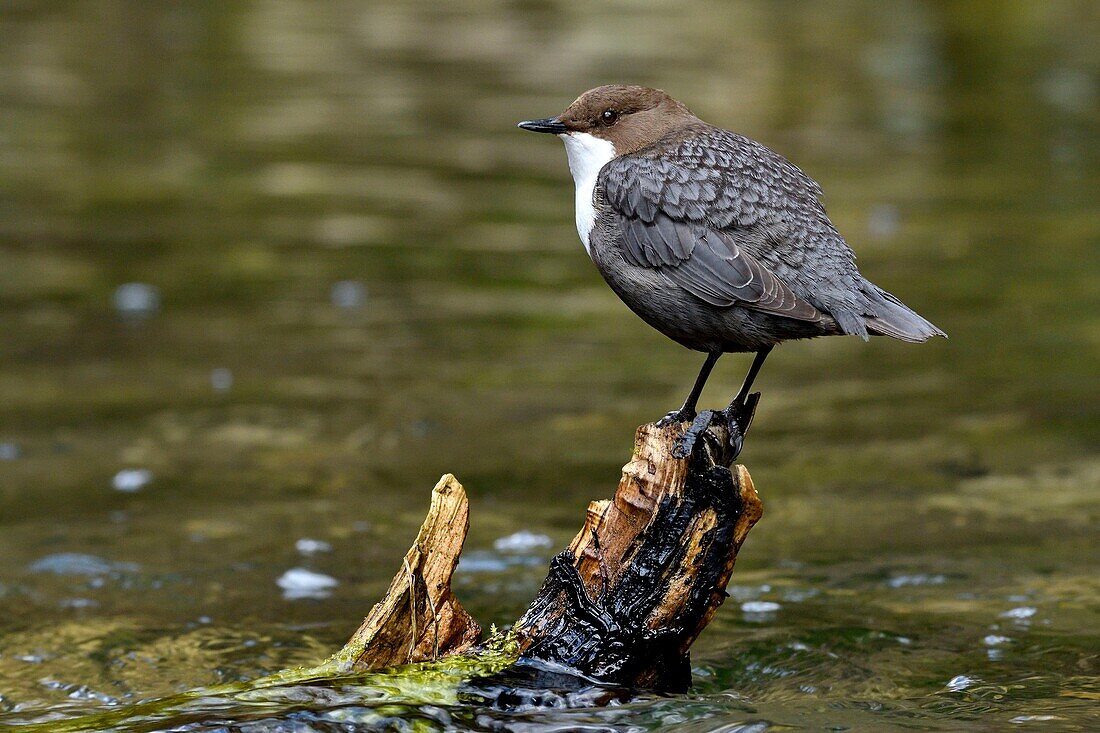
80 692
1021 613
75 563
960 682
486 561
902 581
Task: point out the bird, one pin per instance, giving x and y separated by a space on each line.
713 239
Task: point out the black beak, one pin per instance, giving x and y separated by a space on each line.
551 125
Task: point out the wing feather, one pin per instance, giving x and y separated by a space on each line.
696 229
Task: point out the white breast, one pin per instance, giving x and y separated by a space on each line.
587 155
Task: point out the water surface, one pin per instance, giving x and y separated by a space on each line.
353 275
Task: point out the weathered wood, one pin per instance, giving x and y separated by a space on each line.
623 603
649 568
420 619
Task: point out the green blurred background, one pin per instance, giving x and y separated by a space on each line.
267 269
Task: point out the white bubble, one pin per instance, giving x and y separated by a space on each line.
306 546
348 294
901 581
522 541
1033 718
83 692
301 583
1021 613
759 610
130 480
221 379
960 682
136 300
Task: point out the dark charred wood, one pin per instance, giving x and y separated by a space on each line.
638 584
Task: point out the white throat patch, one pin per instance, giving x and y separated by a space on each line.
587 155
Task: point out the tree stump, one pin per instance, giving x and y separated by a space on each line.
623 603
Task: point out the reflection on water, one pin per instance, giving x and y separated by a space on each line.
287 262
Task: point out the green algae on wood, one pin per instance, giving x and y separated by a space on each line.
426 683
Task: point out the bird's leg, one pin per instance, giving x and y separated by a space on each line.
687 412
741 410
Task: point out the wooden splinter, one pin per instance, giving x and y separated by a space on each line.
420 619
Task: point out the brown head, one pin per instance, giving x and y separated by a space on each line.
629 117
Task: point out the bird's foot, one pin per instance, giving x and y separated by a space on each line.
684 414
739 416
686 442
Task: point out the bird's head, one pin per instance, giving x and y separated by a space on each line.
627 118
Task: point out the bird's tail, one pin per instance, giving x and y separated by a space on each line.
895 319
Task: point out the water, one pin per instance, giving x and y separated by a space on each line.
356 275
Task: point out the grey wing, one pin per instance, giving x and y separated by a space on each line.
711 265
685 217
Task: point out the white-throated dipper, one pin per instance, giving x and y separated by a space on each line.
716 241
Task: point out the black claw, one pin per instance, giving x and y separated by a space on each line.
686 443
676 417
737 439
739 417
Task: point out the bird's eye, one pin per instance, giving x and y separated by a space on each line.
609 116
